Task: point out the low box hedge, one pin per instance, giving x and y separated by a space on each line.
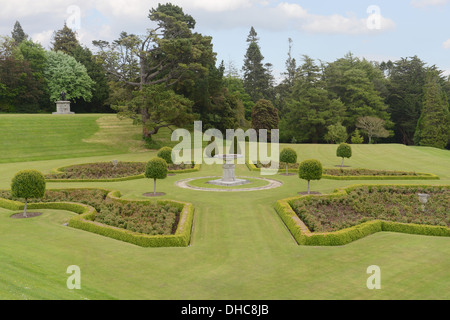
86 215
196 168
419 176
348 235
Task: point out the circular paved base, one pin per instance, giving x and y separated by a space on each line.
235 183
272 184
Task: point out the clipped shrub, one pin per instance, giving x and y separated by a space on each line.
166 154
156 168
357 138
288 155
344 151
28 184
310 170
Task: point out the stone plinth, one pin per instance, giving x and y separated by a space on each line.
228 172
63 107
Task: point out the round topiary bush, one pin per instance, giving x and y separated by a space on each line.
166 154
156 168
288 155
28 184
344 151
310 170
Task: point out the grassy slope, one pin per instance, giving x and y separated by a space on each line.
240 248
42 137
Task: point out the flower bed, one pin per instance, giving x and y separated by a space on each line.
355 212
107 171
353 174
149 218
398 204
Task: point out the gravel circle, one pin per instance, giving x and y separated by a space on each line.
272 184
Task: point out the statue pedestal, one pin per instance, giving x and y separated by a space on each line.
228 175
63 107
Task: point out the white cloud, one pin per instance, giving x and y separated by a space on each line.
446 44
39 17
428 3
44 37
292 10
218 6
338 24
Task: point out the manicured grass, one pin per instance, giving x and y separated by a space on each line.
43 137
240 248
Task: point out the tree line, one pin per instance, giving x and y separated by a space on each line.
169 77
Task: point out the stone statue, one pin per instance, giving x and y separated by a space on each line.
63 96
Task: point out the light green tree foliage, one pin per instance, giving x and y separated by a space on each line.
64 73
356 137
337 133
373 127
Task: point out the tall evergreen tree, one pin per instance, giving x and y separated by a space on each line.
170 54
433 126
355 83
256 76
405 98
100 89
309 108
18 34
65 40
264 116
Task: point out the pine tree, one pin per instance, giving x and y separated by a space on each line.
65 40
18 34
256 76
309 108
433 125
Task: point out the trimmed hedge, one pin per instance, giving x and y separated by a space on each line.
86 215
419 176
11 205
135 177
348 235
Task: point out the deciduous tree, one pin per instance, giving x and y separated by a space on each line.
373 127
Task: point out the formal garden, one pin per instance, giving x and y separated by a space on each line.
307 236
350 172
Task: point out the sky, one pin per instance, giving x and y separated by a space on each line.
377 30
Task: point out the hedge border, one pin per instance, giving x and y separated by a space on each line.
303 236
420 175
196 168
86 214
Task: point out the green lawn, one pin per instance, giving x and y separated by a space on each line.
240 248
42 137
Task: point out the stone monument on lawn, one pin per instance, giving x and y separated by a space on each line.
228 175
63 106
